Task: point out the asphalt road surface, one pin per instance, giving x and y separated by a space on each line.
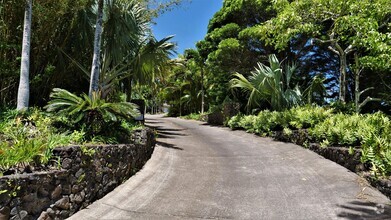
199 171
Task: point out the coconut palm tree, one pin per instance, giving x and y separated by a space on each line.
270 84
24 88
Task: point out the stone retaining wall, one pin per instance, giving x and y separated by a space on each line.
85 174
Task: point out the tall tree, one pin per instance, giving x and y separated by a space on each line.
228 47
343 25
24 86
94 81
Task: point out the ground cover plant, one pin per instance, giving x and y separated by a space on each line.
28 138
371 132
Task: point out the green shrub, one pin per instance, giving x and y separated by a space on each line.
338 129
307 116
268 121
376 143
196 116
248 123
235 121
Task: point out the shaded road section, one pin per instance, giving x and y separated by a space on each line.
202 172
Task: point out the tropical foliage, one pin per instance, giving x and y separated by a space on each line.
294 118
270 84
30 138
93 111
343 26
61 48
341 51
322 37
62 43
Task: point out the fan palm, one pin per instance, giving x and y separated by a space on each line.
270 84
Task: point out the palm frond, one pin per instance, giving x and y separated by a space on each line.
270 84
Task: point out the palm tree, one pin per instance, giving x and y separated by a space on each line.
195 55
97 47
127 54
24 88
270 84
151 61
142 66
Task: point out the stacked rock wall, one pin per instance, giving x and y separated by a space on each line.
85 174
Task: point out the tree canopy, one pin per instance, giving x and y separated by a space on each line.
62 44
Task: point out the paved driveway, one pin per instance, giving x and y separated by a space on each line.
203 172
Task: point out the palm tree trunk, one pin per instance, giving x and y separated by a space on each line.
24 87
94 81
202 91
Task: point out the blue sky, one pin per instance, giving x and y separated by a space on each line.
188 22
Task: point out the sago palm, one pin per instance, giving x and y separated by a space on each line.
93 111
270 84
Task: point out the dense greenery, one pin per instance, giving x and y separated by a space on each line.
183 86
92 114
124 53
270 84
61 46
267 121
340 48
29 137
282 54
346 28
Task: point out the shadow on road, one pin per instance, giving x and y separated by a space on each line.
165 133
213 125
167 145
152 122
365 210
168 134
